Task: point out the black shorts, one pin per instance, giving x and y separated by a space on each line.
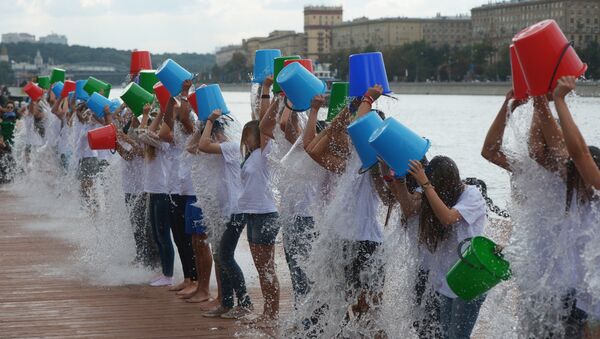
364 269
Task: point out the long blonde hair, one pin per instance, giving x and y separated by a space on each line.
251 128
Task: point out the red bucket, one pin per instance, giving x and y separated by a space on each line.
34 91
518 79
103 138
140 60
68 87
307 63
545 56
162 94
193 101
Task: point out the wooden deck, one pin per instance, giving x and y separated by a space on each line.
35 304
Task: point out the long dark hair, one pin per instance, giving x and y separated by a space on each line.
443 174
250 129
575 182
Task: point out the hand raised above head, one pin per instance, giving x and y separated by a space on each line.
317 102
418 172
216 114
565 86
375 92
268 81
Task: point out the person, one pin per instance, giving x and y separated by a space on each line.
155 185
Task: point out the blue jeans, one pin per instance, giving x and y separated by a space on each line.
160 205
232 277
297 243
262 228
458 317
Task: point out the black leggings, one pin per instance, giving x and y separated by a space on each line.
182 240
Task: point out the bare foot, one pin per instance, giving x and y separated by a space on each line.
179 286
199 297
189 290
265 321
210 304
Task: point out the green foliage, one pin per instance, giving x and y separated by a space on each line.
235 70
591 56
6 73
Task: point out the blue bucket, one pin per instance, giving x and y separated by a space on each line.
96 103
300 85
264 64
367 70
80 93
360 131
172 76
397 144
114 104
57 89
210 98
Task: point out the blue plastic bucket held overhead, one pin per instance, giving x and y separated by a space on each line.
57 89
96 103
210 98
114 104
396 144
367 70
80 93
264 64
360 131
300 85
172 76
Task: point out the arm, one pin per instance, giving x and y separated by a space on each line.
409 203
536 144
310 130
576 145
269 119
556 151
292 128
206 144
166 132
145 117
125 154
384 193
264 100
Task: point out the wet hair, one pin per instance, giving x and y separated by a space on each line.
218 127
251 128
575 181
443 174
411 182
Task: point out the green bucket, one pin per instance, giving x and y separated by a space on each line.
135 97
479 268
147 80
7 129
94 85
43 82
278 66
58 74
337 99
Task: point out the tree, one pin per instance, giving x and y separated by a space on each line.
6 74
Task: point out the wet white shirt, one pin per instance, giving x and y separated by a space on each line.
184 173
83 149
132 173
155 170
472 208
230 184
257 193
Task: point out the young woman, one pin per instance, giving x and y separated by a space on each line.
155 185
215 141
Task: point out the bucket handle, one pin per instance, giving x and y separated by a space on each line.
565 49
285 101
460 255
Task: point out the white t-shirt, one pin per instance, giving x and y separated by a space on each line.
589 222
257 194
230 186
132 173
186 161
64 145
359 206
155 171
83 147
31 136
53 127
472 208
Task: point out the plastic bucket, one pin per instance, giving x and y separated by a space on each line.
193 102
162 95
479 269
307 63
104 137
114 104
278 64
80 93
210 98
58 74
367 70
397 144
172 76
57 89
360 131
545 56
68 87
518 79
337 99
94 85
44 82
96 103
140 60
34 91
147 79
264 64
135 97
300 85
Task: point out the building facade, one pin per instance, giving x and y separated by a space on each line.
318 24
447 30
499 22
224 54
9 38
289 42
250 46
54 39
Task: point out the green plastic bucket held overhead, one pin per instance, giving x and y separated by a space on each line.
278 64
44 82
478 270
147 80
58 74
337 99
94 85
136 97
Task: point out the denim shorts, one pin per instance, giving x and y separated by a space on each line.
262 228
88 168
193 217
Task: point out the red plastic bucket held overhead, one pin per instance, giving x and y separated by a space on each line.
518 79
545 56
193 101
162 95
140 60
69 86
307 63
34 91
103 138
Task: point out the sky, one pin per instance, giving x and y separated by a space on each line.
191 25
